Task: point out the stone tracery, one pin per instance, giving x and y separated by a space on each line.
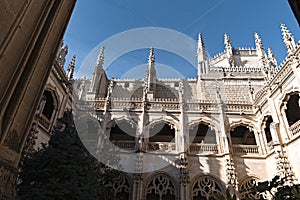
205 186
160 187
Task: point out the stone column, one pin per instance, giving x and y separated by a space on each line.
184 178
31 32
137 191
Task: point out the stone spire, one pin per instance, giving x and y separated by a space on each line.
97 71
260 50
201 51
71 67
151 72
228 49
288 39
271 57
203 66
100 59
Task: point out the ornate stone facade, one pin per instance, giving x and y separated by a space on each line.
221 130
235 124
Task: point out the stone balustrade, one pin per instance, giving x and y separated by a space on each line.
239 108
201 105
127 145
204 149
162 146
245 149
295 128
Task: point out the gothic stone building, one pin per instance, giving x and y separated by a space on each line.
55 100
237 123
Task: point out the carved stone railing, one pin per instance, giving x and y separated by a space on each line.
295 128
207 107
245 149
239 108
127 145
167 104
204 149
162 146
236 69
171 104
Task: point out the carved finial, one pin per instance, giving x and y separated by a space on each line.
100 59
62 53
227 42
201 51
229 49
97 71
288 39
203 64
71 67
271 57
151 56
181 91
260 50
151 72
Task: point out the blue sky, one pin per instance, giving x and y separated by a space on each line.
94 21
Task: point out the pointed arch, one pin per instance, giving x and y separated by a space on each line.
161 186
204 185
122 132
171 122
246 183
205 120
244 122
114 121
122 186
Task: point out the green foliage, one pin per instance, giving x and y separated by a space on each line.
228 196
64 169
277 189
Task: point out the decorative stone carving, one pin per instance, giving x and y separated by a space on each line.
62 53
184 172
284 169
161 185
231 174
205 186
247 184
121 186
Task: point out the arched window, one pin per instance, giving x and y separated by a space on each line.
242 135
202 133
267 130
49 105
204 187
161 187
162 132
121 188
123 134
293 109
245 186
162 137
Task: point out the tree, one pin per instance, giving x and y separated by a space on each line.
227 196
277 189
64 169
